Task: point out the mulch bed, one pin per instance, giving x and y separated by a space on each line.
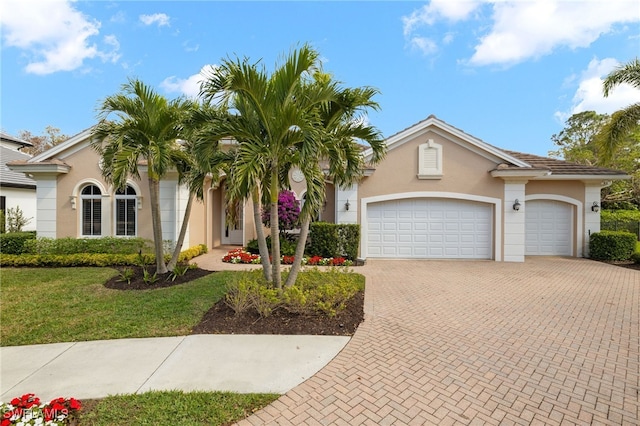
221 319
629 264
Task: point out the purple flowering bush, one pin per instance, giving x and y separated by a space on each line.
288 211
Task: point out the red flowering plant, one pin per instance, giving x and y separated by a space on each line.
28 410
241 256
244 257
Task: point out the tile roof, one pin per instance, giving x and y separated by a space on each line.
9 177
561 167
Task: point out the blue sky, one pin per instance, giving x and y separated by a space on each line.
507 72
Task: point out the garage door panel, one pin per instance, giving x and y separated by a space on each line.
548 228
430 228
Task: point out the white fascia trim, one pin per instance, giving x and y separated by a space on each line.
579 214
497 221
520 173
63 146
584 178
39 168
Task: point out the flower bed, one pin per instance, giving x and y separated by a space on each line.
28 410
244 257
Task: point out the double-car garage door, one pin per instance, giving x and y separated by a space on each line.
434 228
430 228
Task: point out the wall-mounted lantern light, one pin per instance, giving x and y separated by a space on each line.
595 207
346 205
516 205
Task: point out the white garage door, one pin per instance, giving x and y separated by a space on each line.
430 228
548 228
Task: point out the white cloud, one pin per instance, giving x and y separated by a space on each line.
531 29
589 97
189 86
439 9
161 19
54 34
514 31
424 45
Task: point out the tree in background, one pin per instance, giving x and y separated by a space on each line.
625 122
578 143
51 137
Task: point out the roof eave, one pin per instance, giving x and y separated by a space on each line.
39 168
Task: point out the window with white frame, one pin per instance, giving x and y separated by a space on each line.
126 215
91 199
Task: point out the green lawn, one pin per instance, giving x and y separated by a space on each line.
47 305
173 408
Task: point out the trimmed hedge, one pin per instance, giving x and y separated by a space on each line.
287 247
334 240
612 245
91 259
14 242
110 245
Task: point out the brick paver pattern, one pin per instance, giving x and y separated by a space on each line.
551 341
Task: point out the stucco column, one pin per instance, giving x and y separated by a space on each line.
108 217
591 219
514 223
46 214
347 204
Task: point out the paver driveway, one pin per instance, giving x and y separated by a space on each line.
550 341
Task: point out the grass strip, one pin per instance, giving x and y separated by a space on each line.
175 408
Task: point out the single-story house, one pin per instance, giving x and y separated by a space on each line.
439 193
16 189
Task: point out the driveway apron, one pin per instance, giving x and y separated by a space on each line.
547 341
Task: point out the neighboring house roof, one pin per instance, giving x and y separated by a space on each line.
8 138
9 178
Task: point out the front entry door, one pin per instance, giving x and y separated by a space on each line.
232 233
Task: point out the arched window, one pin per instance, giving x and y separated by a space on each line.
126 201
91 210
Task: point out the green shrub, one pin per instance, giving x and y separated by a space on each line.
287 246
314 293
111 245
611 245
3 222
334 240
620 215
14 242
90 259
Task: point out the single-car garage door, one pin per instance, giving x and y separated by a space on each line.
548 228
430 228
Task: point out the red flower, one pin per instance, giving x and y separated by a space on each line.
5 422
75 404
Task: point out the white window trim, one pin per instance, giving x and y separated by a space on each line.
81 209
117 197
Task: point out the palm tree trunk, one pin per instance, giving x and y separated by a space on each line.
297 262
262 241
156 221
183 232
275 231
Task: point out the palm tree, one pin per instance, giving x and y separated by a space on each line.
147 127
624 121
270 115
342 126
294 117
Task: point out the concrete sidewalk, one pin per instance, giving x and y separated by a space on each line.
238 363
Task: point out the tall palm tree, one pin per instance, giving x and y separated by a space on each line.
343 125
146 127
624 121
294 117
270 115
